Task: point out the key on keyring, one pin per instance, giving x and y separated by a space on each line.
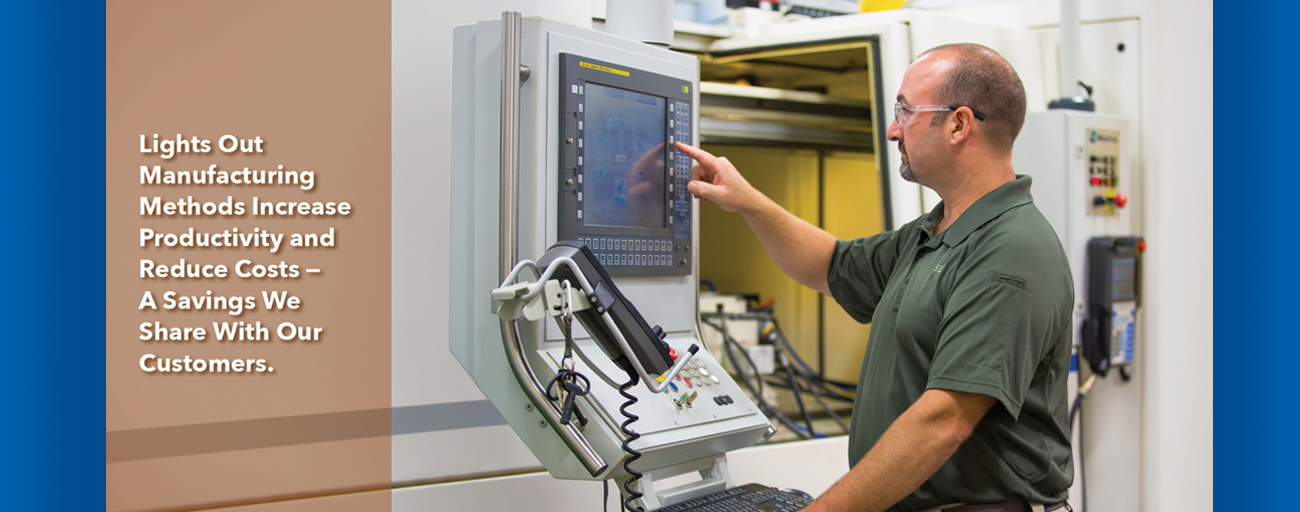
572 389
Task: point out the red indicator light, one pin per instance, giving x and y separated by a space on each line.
1096 181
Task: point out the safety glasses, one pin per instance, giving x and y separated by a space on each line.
904 113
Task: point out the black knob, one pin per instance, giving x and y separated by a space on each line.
659 332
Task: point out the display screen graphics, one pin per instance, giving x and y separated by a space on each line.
1124 281
624 169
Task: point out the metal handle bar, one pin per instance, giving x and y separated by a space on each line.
653 385
512 73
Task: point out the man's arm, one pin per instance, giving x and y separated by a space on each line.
801 250
913 448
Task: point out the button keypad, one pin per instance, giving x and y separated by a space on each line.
613 251
681 210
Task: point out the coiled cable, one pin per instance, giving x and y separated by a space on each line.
630 435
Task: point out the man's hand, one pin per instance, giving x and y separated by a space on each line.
801 250
715 179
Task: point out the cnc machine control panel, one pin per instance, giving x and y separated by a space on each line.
622 181
1104 196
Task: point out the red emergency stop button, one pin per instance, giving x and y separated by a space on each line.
672 353
1121 200
1142 246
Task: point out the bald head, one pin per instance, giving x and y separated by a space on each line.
978 77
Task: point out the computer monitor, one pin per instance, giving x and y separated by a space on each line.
622 182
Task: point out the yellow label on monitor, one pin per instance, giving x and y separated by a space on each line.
598 67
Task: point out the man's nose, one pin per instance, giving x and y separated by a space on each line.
895 132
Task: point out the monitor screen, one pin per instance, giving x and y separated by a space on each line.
624 184
1124 280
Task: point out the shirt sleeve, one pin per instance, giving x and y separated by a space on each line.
996 329
860 269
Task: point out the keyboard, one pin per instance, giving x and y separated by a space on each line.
751 497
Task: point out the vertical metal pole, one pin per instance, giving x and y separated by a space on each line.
512 74
821 299
511 36
1069 48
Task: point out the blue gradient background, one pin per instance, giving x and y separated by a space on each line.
1256 340
52 225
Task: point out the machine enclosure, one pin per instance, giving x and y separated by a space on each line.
672 437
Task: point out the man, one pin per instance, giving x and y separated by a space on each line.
962 395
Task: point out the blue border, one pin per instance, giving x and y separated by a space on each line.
1257 314
51 221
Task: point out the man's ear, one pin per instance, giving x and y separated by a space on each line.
959 125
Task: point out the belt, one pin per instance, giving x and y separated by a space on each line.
1006 506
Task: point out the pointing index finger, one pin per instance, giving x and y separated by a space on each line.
700 155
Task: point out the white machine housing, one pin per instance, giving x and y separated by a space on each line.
673 440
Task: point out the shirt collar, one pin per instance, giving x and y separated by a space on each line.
1010 195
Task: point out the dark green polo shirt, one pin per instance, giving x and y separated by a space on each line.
983 307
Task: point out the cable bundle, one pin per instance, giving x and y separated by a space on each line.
799 377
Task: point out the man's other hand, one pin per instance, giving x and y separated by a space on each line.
715 179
